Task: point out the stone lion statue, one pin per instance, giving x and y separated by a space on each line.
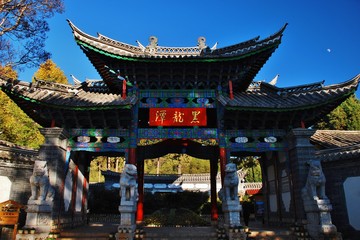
315 183
40 184
128 184
230 189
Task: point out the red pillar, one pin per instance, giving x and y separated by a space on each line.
213 192
140 203
231 93
124 89
223 161
132 156
53 123
85 195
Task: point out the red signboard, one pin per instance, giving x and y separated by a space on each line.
177 117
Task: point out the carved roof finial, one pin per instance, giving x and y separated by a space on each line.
153 43
202 42
274 80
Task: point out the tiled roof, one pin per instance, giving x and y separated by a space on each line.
88 105
66 96
330 139
10 152
262 96
336 144
200 51
91 104
156 67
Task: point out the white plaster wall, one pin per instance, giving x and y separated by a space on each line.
352 197
5 187
79 192
285 195
286 198
68 190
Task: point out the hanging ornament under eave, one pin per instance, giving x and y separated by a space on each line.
125 82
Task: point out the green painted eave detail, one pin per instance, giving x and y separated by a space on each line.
65 107
303 107
162 60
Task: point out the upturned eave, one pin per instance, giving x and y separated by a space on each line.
271 98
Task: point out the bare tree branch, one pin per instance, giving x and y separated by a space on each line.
23 28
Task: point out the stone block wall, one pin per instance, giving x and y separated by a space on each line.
16 167
20 185
336 173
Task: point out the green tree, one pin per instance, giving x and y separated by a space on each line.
23 28
50 72
176 164
96 166
15 125
345 117
103 163
198 166
252 165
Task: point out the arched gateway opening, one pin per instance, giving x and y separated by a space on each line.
78 162
198 149
154 99
202 150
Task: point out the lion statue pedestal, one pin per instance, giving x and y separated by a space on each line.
316 204
128 202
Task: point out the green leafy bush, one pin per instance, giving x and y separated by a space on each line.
189 200
175 217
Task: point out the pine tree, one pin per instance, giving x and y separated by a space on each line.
345 117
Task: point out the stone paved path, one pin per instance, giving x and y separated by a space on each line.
98 231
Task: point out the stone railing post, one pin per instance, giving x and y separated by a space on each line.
300 151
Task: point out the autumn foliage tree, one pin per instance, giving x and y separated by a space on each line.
48 71
15 125
23 28
7 71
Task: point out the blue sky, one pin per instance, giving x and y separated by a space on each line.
321 42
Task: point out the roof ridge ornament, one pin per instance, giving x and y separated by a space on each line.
214 47
153 43
201 43
75 80
140 45
274 80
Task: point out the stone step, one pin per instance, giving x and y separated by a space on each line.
271 234
83 238
92 232
101 232
180 233
81 235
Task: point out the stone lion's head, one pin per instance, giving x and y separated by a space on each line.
40 168
230 168
315 168
130 170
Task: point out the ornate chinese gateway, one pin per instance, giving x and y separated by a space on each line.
154 100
